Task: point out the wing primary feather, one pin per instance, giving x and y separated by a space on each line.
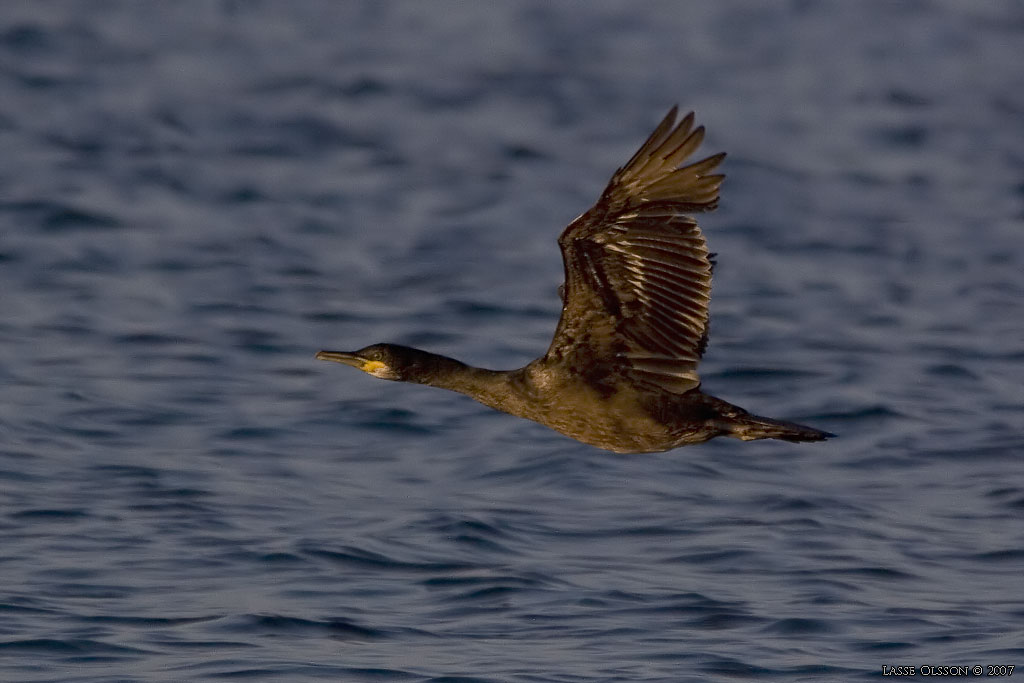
653 141
703 166
685 148
680 138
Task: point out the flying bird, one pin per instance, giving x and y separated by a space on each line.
621 371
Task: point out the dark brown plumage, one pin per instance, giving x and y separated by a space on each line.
621 371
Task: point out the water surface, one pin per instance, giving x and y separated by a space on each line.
196 196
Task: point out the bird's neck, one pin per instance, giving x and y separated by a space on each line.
493 388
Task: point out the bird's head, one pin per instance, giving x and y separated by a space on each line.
387 361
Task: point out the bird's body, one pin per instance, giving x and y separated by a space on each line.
621 371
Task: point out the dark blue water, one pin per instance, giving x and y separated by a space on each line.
196 196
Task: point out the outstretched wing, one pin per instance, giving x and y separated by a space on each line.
637 268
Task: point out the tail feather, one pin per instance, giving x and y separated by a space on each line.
749 427
728 419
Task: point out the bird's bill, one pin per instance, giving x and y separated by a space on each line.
352 359
341 357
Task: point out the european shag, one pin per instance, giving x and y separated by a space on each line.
621 372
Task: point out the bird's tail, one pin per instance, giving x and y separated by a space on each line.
749 427
731 420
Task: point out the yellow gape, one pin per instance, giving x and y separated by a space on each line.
373 366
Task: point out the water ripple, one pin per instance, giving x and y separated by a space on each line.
197 196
